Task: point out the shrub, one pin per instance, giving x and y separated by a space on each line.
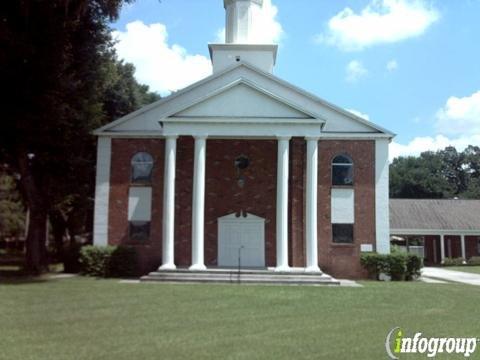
474 261
108 261
398 265
453 261
414 265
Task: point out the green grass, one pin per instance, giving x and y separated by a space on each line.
83 318
466 268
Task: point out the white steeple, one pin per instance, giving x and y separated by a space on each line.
243 25
242 16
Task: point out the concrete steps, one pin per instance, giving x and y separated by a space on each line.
245 276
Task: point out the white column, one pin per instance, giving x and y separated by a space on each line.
168 262
382 217
102 191
462 242
442 248
282 204
198 206
311 216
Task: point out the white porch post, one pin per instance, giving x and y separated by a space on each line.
168 262
311 216
198 206
282 204
442 248
462 242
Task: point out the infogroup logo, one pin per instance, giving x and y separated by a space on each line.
397 343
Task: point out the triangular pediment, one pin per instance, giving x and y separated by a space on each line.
242 92
242 100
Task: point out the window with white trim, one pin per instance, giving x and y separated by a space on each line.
142 167
342 170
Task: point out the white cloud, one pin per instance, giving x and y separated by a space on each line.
267 29
359 114
460 115
428 143
457 124
355 71
162 66
380 22
392 65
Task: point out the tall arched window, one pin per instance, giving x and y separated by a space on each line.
142 166
342 170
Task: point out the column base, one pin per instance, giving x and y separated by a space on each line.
314 269
196 267
167 267
464 262
282 268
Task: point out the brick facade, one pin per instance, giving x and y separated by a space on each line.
257 196
343 260
149 253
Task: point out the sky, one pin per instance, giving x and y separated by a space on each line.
410 66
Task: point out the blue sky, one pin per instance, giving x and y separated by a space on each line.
411 66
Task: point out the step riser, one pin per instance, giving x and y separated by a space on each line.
243 281
246 276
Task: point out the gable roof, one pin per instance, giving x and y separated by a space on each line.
435 214
337 118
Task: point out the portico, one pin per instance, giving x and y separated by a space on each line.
242 127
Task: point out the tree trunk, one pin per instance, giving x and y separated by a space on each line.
59 227
36 253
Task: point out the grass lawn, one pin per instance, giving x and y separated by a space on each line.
83 318
469 269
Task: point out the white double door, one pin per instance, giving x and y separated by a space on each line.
241 236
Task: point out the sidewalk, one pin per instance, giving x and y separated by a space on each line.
450 275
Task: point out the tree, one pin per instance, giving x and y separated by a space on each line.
442 174
53 54
12 221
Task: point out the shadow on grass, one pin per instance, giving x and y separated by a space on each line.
18 277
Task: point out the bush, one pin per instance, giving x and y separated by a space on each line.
453 261
399 266
474 261
108 261
414 265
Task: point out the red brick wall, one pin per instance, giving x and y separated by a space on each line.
122 151
183 201
432 249
343 260
258 196
224 196
471 248
453 247
296 198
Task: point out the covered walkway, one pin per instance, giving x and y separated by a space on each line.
437 228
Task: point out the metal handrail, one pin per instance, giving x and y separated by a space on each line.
239 262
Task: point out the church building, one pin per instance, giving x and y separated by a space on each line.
244 169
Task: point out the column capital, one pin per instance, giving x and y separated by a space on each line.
171 136
312 138
200 137
284 138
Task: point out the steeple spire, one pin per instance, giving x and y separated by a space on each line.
242 20
243 24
